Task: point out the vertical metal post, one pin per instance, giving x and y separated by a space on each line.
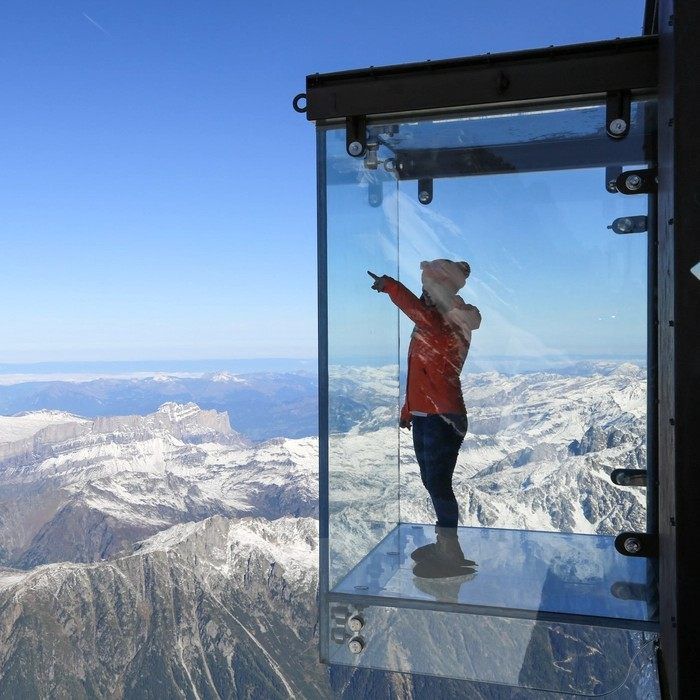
650 121
679 344
323 477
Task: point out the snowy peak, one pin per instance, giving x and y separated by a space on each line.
186 422
27 424
224 377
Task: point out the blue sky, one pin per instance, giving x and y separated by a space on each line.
157 191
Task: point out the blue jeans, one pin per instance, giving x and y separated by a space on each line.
436 440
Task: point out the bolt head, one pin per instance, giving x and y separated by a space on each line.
617 127
633 182
612 186
356 623
625 225
355 148
424 197
632 545
356 645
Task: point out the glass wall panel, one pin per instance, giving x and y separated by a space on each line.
362 236
557 657
515 280
555 380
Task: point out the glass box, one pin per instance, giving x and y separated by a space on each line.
554 384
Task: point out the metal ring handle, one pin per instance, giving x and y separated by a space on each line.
295 103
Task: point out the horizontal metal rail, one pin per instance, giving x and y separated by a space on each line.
524 77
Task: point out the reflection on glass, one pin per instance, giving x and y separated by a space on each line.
363 364
547 656
513 357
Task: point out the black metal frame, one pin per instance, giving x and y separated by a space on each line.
561 154
534 76
572 73
679 344
323 501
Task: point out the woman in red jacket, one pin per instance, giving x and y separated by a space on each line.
434 404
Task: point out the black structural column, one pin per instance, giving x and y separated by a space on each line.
679 345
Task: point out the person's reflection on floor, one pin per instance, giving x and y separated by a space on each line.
445 590
434 404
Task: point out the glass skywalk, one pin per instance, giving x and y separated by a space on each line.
554 384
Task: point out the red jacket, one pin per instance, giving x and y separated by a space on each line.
436 354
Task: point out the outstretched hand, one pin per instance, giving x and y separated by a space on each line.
379 282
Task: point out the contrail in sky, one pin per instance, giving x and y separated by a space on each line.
92 21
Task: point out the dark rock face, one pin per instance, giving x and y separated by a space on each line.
208 611
598 438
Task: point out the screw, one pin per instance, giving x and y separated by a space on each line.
632 545
424 197
355 148
356 645
356 623
612 186
633 182
617 127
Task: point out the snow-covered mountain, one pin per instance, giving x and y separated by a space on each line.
538 455
184 555
79 490
263 404
219 608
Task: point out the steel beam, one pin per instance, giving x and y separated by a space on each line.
679 345
523 77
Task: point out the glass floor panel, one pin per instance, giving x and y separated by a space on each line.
537 575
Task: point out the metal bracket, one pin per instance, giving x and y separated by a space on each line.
356 136
425 190
346 625
629 224
629 590
339 617
637 181
612 172
629 477
375 194
637 544
617 113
